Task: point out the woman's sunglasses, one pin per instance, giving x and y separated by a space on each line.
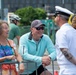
39 28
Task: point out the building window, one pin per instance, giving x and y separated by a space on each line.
33 1
68 6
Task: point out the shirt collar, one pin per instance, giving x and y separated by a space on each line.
65 24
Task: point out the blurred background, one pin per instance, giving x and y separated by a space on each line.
29 10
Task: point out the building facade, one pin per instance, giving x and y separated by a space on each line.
48 5
16 4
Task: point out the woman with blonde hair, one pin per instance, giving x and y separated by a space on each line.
72 20
8 52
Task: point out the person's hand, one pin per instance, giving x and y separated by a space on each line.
46 60
11 57
21 67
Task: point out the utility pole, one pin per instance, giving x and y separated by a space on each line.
63 2
1 9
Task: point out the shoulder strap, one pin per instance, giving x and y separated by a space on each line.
11 44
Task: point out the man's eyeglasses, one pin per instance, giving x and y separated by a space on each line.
39 28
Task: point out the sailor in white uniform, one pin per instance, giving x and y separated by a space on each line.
65 42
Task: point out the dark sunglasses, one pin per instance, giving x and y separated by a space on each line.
39 28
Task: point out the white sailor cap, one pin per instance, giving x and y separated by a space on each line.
63 11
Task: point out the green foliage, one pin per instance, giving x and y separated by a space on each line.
41 13
29 14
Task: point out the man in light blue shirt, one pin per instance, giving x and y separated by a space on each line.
32 47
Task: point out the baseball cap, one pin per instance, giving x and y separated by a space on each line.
37 23
62 11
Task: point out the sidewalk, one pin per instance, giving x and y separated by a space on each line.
56 68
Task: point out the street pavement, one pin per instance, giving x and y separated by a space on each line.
53 66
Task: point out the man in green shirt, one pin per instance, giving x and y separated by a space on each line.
14 29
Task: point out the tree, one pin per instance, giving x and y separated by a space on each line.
29 14
41 13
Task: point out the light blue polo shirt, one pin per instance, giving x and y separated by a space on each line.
33 51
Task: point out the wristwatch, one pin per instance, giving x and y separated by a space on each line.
20 62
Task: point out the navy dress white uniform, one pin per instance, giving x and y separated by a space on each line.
65 38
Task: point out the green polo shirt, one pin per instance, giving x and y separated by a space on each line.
14 31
